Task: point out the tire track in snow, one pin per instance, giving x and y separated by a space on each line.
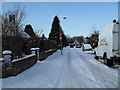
59 80
98 72
94 73
73 74
70 76
84 70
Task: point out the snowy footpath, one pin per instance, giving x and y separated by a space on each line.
73 69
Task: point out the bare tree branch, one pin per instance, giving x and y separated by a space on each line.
13 28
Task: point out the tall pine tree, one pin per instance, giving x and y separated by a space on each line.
55 32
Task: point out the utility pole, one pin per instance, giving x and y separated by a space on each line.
60 37
0 36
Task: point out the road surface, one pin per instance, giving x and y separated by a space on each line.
73 69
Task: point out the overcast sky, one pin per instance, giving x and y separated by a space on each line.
81 15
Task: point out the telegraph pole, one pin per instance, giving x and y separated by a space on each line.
60 37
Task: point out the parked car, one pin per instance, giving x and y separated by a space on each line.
78 46
72 45
86 47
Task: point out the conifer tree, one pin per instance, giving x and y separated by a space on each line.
55 32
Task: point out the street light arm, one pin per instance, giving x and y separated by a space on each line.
63 18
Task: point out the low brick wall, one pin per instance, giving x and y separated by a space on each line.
19 65
46 54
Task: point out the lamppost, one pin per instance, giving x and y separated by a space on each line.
60 36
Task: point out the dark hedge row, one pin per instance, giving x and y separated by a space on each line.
21 46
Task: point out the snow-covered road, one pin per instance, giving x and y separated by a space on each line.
73 69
